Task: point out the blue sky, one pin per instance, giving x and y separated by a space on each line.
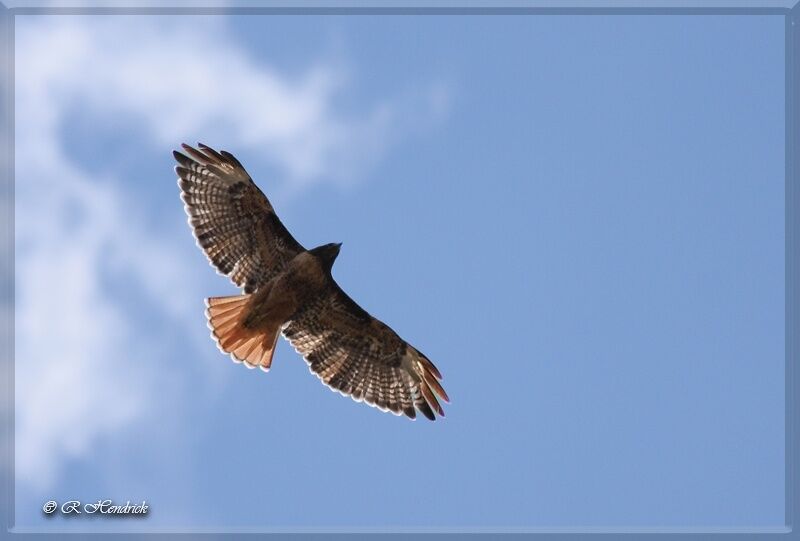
579 219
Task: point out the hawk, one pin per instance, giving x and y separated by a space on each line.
289 290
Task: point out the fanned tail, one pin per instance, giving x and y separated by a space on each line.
225 319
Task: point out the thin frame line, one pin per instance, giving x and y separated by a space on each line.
791 193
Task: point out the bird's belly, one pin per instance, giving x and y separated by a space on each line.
275 303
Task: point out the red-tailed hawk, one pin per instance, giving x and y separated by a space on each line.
289 289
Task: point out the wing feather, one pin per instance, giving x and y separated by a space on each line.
359 356
232 220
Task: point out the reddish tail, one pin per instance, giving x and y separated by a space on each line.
225 319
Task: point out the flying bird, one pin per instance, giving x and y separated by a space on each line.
289 290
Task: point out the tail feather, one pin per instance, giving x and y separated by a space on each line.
220 301
225 319
244 350
223 311
224 327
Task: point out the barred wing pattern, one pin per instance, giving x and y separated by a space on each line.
232 220
361 357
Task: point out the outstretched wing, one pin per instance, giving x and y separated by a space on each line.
361 357
232 220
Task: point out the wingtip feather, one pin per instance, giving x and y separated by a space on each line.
431 398
436 387
426 411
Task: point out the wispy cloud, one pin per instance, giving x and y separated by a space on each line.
81 374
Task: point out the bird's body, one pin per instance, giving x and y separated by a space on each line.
248 325
289 289
276 302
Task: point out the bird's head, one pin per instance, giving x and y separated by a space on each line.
327 253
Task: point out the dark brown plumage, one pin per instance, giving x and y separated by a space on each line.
290 289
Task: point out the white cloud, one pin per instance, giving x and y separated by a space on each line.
182 79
